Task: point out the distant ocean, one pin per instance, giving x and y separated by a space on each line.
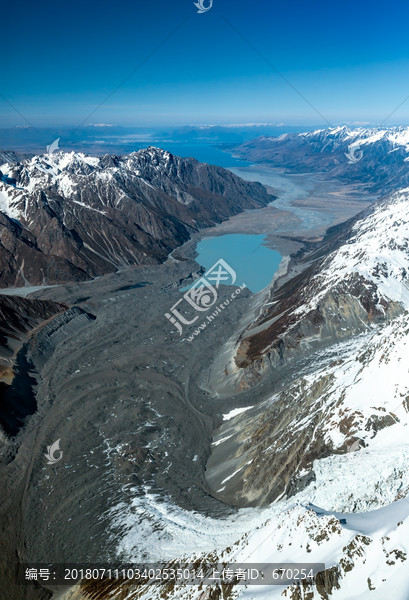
202 151
107 142
206 145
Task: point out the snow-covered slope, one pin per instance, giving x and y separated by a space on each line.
362 281
363 409
377 157
334 138
353 396
377 250
327 455
365 555
395 137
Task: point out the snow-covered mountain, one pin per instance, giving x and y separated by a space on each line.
353 516
356 278
320 467
69 216
334 138
375 156
316 471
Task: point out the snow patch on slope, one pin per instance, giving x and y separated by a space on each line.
8 201
378 251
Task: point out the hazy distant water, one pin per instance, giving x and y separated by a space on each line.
254 263
202 152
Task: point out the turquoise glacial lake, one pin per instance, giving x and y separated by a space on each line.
253 263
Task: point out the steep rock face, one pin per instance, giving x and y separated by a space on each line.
363 281
23 262
337 335
35 346
88 216
19 317
9 156
352 397
358 554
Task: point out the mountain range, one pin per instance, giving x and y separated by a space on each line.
326 453
377 157
318 470
70 217
280 437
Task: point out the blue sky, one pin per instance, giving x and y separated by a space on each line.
350 60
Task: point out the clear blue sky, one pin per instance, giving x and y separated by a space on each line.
62 59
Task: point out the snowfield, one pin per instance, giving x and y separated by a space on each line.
378 251
354 515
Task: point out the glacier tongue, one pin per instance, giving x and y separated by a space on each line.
354 513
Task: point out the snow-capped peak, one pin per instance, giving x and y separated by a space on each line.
395 136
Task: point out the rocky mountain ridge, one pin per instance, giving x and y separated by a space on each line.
320 467
70 216
313 459
376 156
361 279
